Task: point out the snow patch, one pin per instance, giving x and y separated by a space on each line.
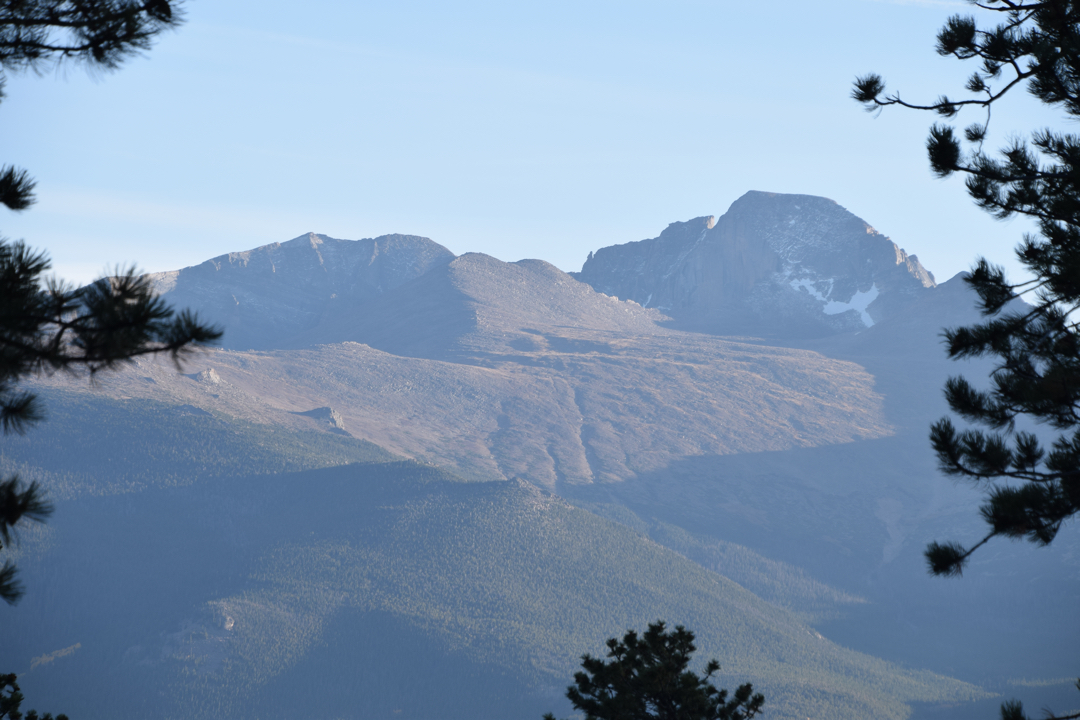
859 302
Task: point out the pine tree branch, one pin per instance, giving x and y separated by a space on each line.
16 188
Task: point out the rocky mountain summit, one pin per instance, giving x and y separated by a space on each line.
266 295
773 263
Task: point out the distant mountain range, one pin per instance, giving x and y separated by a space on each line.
723 426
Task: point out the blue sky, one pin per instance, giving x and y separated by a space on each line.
519 130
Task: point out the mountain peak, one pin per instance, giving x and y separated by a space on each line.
773 262
273 292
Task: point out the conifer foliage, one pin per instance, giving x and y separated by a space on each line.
100 33
1032 488
46 325
11 699
646 678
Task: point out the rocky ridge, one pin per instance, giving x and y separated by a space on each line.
479 304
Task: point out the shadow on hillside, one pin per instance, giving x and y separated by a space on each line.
819 510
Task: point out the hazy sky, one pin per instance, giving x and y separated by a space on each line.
518 129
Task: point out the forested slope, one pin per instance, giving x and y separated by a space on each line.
376 588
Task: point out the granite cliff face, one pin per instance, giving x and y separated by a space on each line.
772 264
265 296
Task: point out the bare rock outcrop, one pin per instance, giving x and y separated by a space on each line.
328 418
